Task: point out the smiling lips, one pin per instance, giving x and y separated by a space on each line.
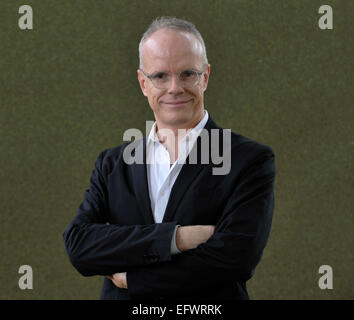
176 103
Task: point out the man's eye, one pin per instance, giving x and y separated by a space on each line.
159 76
187 74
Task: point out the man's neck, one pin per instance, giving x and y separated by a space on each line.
170 136
177 130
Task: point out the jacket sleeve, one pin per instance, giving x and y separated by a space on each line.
231 253
95 247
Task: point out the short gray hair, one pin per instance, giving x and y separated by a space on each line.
174 24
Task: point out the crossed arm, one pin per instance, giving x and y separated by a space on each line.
231 249
187 237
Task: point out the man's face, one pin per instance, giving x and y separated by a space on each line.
174 51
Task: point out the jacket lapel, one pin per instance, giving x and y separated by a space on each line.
140 182
187 175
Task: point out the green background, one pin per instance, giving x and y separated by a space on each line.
69 90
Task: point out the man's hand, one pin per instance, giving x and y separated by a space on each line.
190 237
119 279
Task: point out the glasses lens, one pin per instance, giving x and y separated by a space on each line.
188 78
162 80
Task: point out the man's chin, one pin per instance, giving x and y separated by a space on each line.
179 120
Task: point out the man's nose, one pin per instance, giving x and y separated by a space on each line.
175 85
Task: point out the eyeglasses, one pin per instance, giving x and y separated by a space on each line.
162 80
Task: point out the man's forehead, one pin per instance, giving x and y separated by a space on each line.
171 44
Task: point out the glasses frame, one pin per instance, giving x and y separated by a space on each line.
199 73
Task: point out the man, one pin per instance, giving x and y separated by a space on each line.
167 227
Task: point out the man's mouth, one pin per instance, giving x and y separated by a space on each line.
176 103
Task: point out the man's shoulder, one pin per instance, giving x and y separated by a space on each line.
113 153
249 155
248 146
241 144
108 158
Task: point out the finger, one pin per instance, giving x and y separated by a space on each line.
117 283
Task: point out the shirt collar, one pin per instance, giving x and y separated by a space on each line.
192 134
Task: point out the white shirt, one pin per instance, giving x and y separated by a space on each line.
161 176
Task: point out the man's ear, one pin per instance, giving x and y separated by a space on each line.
206 75
142 82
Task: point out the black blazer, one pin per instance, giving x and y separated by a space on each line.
114 229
